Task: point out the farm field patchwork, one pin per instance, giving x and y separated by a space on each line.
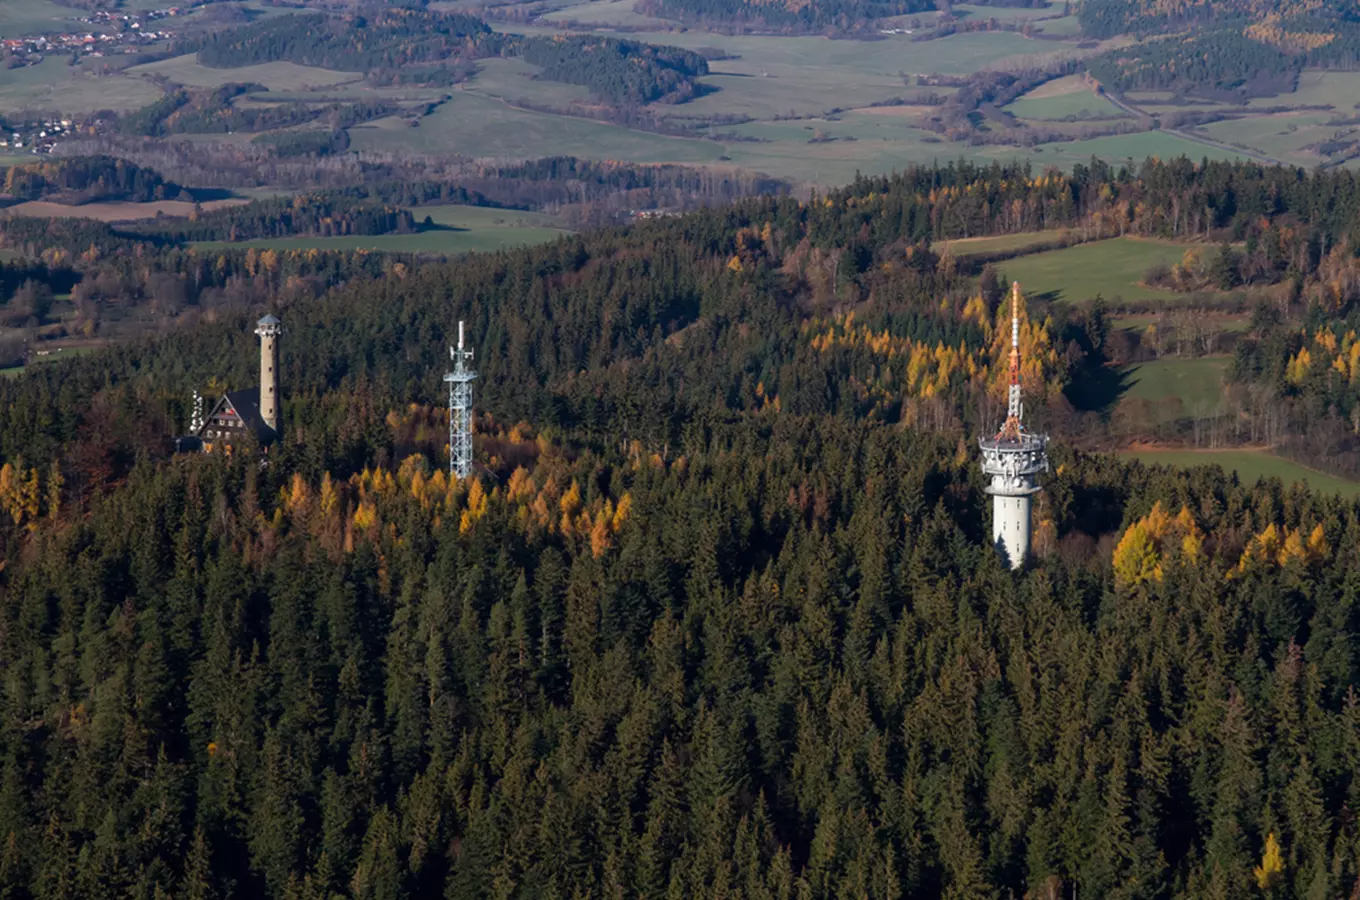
1113 268
466 229
1250 465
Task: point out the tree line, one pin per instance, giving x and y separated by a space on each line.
86 180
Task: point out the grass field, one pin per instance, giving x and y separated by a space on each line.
1225 321
1119 148
1282 135
1064 98
845 62
1250 465
513 80
1197 382
471 229
1113 268
1004 13
1340 90
836 163
20 17
610 13
999 243
478 126
113 212
54 86
277 76
53 355
1065 27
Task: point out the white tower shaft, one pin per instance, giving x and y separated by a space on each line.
269 329
1014 458
460 409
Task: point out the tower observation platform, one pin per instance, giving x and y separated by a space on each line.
1014 458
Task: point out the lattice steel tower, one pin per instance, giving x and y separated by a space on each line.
460 409
1014 458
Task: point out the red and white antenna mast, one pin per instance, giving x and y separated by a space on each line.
1015 409
1013 459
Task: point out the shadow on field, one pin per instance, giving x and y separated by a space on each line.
1099 390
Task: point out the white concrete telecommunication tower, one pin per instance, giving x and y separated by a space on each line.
1014 458
460 409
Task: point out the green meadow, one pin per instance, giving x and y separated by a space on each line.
55 86
277 76
1250 465
1113 268
1001 243
463 229
478 126
1197 382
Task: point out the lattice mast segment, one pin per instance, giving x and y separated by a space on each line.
460 408
1014 459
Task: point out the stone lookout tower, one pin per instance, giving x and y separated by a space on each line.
251 411
1014 458
269 328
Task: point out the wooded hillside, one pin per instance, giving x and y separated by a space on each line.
720 618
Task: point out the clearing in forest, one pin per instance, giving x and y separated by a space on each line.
1112 268
458 229
1249 465
1001 243
1195 381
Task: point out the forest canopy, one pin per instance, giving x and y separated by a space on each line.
719 616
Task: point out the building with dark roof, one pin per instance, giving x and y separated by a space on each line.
252 411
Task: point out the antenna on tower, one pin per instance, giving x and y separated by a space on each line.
1013 459
460 408
1015 409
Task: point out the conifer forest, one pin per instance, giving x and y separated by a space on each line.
719 616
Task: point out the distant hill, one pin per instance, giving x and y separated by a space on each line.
1107 18
1243 47
784 14
409 46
